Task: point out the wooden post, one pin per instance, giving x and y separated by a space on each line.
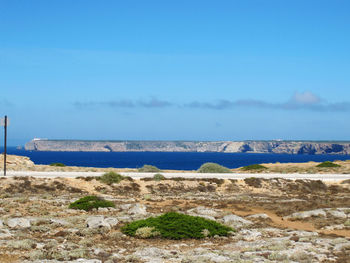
5 145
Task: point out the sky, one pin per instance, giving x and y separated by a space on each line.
175 70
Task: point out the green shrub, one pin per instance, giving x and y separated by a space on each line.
253 167
87 203
213 168
347 223
58 164
158 177
110 178
327 164
149 169
174 225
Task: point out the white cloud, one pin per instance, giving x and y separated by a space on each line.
307 98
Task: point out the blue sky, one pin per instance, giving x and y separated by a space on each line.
175 70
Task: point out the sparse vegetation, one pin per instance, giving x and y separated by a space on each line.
328 164
87 203
213 168
149 169
253 181
174 225
58 164
346 181
253 167
110 178
347 223
158 177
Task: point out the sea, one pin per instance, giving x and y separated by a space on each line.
166 160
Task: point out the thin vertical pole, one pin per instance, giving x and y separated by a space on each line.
5 144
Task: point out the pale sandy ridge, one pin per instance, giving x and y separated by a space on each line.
135 175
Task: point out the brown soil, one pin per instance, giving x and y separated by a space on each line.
45 198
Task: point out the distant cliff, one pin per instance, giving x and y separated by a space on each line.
290 147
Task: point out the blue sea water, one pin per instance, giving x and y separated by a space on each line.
165 160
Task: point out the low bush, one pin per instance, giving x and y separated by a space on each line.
174 225
110 178
253 167
58 164
347 223
253 181
327 164
158 177
213 168
87 203
149 169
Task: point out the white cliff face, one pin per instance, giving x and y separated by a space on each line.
289 147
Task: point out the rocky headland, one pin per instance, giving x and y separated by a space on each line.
287 147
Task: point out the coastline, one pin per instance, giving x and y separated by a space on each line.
23 163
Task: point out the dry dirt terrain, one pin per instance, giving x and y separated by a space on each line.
276 220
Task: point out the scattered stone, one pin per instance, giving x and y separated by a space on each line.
5 233
334 227
152 254
97 222
112 221
307 214
259 216
251 235
138 210
337 213
18 223
203 211
236 221
58 222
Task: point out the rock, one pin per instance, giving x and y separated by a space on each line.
236 221
112 221
334 227
1 223
259 216
301 233
103 209
342 246
5 233
203 211
59 222
83 260
307 214
18 223
125 207
337 213
250 235
125 219
203 255
138 210
16 162
153 254
97 222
